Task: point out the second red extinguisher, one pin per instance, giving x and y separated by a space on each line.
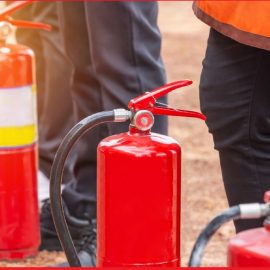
248 248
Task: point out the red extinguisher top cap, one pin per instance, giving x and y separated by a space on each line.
148 101
7 11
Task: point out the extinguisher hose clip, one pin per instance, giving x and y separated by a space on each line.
57 173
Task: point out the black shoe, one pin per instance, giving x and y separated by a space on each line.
83 233
85 258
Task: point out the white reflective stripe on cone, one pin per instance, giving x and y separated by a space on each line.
17 107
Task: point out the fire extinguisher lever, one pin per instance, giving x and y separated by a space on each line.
175 112
5 16
149 99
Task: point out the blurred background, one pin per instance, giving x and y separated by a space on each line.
184 43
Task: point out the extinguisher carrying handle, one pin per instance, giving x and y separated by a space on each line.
149 99
5 15
70 139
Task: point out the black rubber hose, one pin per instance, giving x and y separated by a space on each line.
203 239
56 180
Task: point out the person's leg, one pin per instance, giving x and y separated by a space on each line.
119 60
125 46
57 117
235 97
81 202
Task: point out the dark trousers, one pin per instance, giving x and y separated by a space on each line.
115 50
235 97
53 70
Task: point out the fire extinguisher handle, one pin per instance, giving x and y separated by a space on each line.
149 99
26 24
175 112
5 15
8 10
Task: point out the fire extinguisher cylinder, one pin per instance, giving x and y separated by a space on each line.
251 247
138 207
19 215
139 186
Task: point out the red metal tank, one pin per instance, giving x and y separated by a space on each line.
19 215
139 195
19 226
250 248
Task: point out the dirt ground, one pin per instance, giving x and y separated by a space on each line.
184 42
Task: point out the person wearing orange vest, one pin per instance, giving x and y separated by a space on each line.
235 96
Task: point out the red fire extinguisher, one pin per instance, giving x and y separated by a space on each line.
19 222
138 208
248 248
252 247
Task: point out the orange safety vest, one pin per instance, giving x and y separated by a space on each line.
247 22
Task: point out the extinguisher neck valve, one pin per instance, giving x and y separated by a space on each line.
135 131
122 115
143 120
6 29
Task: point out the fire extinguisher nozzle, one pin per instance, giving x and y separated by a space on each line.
121 115
254 210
